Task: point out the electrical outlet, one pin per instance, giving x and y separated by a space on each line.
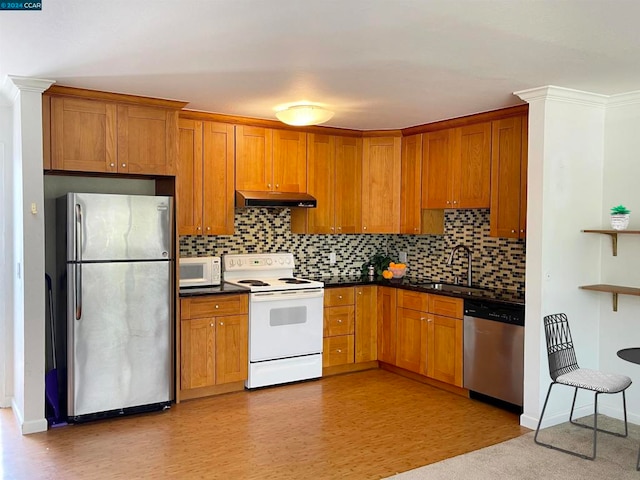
403 257
332 258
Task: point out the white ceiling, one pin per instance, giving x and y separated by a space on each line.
378 64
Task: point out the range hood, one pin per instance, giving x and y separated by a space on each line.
246 198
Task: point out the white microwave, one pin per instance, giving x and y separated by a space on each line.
199 271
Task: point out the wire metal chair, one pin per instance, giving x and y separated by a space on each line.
564 370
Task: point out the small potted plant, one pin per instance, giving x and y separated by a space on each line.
620 217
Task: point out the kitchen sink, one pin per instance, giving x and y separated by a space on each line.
452 288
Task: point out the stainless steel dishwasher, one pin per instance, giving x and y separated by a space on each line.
494 349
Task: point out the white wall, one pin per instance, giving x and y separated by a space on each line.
28 253
566 155
6 254
621 329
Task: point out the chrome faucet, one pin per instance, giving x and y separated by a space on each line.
450 259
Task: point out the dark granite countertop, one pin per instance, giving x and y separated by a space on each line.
217 290
511 297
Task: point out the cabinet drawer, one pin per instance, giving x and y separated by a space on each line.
413 300
447 306
213 305
337 350
338 320
335 297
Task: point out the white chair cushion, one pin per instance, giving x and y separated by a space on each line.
595 380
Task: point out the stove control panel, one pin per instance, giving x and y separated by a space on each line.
257 261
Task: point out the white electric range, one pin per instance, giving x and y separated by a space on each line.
285 318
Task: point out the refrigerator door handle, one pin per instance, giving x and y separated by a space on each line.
78 266
78 233
78 290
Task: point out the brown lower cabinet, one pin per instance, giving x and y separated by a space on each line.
428 335
387 325
213 341
350 326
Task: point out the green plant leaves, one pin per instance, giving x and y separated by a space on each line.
380 263
620 210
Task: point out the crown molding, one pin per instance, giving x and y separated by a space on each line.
12 85
624 99
561 94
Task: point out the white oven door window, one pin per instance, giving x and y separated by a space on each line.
285 324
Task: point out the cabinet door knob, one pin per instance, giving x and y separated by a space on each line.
112 164
217 306
521 231
339 351
359 292
340 297
277 185
455 201
513 231
268 185
332 229
198 228
211 325
339 320
208 228
364 228
339 228
124 164
448 202
222 323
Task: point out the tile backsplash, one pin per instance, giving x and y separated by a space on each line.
496 262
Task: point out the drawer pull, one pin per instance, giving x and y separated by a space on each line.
217 306
339 351
340 297
339 320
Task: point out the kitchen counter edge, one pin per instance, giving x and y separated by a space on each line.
509 297
222 289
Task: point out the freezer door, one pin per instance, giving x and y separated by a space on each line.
118 227
119 336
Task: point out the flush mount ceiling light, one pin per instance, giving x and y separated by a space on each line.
300 115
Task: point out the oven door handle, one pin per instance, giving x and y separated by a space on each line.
287 295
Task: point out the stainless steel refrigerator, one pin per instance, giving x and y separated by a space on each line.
117 250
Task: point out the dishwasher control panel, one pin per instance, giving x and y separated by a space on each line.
499 312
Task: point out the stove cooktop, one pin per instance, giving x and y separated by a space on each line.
281 283
262 272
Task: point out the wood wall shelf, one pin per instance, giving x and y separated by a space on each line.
614 236
613 289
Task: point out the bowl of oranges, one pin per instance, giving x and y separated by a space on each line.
395 270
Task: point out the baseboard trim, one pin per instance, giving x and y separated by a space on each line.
32 426
558 418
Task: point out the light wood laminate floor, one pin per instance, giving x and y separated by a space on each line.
364 425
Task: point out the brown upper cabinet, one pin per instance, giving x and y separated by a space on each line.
334 178
509 177
270 159
204 183
111 133
381 185
456 168
411 178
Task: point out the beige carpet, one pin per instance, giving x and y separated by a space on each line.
522 459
